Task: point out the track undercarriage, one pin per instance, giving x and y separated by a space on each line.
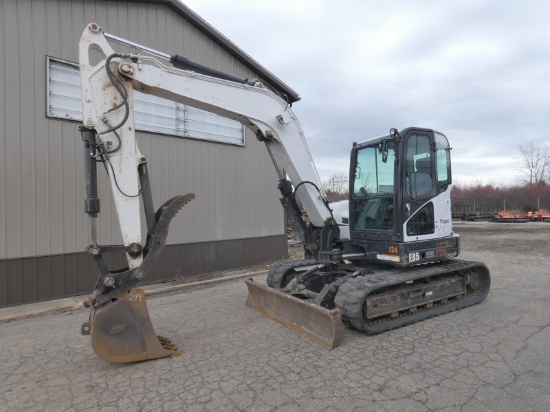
376 298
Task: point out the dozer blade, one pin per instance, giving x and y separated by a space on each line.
321 325
122 331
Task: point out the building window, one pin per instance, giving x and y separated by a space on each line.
152 113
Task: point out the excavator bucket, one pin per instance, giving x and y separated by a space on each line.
122 331
321 325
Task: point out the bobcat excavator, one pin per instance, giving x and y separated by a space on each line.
396 267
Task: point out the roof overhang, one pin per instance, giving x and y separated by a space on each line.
264 74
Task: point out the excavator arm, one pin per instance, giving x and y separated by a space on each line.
119 323
107 91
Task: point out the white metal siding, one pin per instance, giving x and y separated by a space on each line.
152 113
41 167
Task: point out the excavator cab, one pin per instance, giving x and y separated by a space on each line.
400 195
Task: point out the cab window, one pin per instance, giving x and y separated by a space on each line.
419 174
443 160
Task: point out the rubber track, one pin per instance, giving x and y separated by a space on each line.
276 275
351 296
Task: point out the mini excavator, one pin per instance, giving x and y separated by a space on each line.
395 266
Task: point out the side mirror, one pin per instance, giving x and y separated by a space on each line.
383 148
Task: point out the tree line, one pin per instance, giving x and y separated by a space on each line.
530 192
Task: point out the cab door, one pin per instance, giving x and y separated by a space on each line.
419 185
427 182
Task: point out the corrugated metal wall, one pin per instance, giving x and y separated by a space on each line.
41 177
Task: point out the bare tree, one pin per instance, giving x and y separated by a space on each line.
337 184
535 162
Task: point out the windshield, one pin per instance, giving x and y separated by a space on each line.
373 188
374 171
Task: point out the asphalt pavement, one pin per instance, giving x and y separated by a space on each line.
490 357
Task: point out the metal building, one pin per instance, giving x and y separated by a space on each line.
236 218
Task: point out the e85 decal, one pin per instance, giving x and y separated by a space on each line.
414 257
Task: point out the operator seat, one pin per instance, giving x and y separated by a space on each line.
421 180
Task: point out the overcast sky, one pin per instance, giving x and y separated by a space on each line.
476 70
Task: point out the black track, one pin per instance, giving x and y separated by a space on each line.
352 295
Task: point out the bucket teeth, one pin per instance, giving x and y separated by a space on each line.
168 345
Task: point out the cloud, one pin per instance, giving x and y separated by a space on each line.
475 70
